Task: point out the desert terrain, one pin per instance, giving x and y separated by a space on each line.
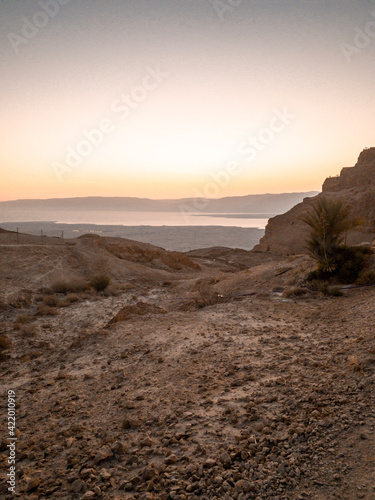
211 374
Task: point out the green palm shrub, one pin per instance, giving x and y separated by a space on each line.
329 221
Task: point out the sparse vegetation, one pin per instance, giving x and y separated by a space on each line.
51 300
5 342
329 221
335 291
295 292
325 288
74 284
44 310
23 318
29 330
100 282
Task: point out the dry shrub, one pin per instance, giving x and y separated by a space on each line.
20 300
295 292
70 299
44 310
23 318
5 342
366 277
51 300
140 309
112 291
73 284
28 330
100 282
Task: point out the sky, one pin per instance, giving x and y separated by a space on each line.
187 98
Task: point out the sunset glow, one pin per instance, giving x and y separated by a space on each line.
155 99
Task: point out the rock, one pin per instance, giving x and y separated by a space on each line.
130 423
171 459
127 486
285 234
148 473
243 485
86 473
77 485
97 491
105 475
210 462
190 469
69 442
225 459
118 448
146 441
89 494
103 454
32 484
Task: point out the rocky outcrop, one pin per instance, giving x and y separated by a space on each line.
286 234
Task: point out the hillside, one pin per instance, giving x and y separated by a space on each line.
262 203
215 374
286 234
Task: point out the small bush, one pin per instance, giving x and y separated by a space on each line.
5 342
347 265
351 261
70 299
51 300
74 284
323 287
100 282
366 277
44 310
28 330
23 318
335 291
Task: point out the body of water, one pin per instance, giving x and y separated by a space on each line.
140 218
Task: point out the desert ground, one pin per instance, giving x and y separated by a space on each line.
213 374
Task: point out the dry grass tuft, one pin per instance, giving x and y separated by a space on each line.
100 282
51 300
44 310
73 284
5 342
29 330
295 292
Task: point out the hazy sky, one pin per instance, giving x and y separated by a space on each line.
177 98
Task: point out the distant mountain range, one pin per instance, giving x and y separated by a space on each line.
253 203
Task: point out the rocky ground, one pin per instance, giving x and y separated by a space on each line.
214 375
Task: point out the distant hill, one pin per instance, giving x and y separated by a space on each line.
254 203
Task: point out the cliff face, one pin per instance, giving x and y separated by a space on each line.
286 234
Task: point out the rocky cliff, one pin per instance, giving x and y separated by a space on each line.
285 234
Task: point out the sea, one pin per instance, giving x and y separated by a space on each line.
243 220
